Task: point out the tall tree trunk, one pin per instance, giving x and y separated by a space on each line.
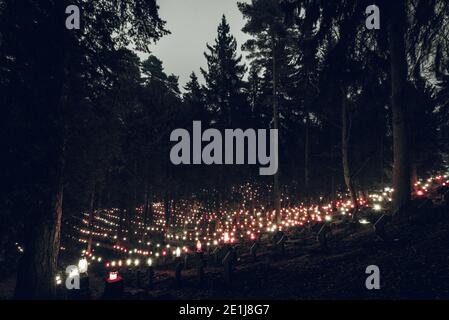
398 61
91 217
309 61
37 268
42 230
100 195
306 155
173 208
345 152
38 265
121 224
381 162
276 192
332 187
130 218
145 209
306 162
131 203
412 139
414 175
150 214
167 208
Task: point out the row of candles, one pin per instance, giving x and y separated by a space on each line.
203 228
196 226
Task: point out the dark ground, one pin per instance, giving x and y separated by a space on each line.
414 265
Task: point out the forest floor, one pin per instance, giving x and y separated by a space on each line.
413 265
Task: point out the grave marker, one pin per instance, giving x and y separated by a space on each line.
253 251
150 275
200 267
216 253
228 263
379 227
114 286
281 244
323 237
178 270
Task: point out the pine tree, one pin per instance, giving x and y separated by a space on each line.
195 100
399 67
224 78
265 22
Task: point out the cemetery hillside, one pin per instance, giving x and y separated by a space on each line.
224 150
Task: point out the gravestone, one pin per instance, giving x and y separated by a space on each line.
150 276
178 270
200 267
139 279
132 281
379 227
445 198
186 260
228 263
216 254
253 251
322 236
114 289
441 196
279 242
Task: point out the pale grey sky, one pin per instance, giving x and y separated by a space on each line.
193 23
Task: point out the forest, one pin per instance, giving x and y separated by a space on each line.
362 117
